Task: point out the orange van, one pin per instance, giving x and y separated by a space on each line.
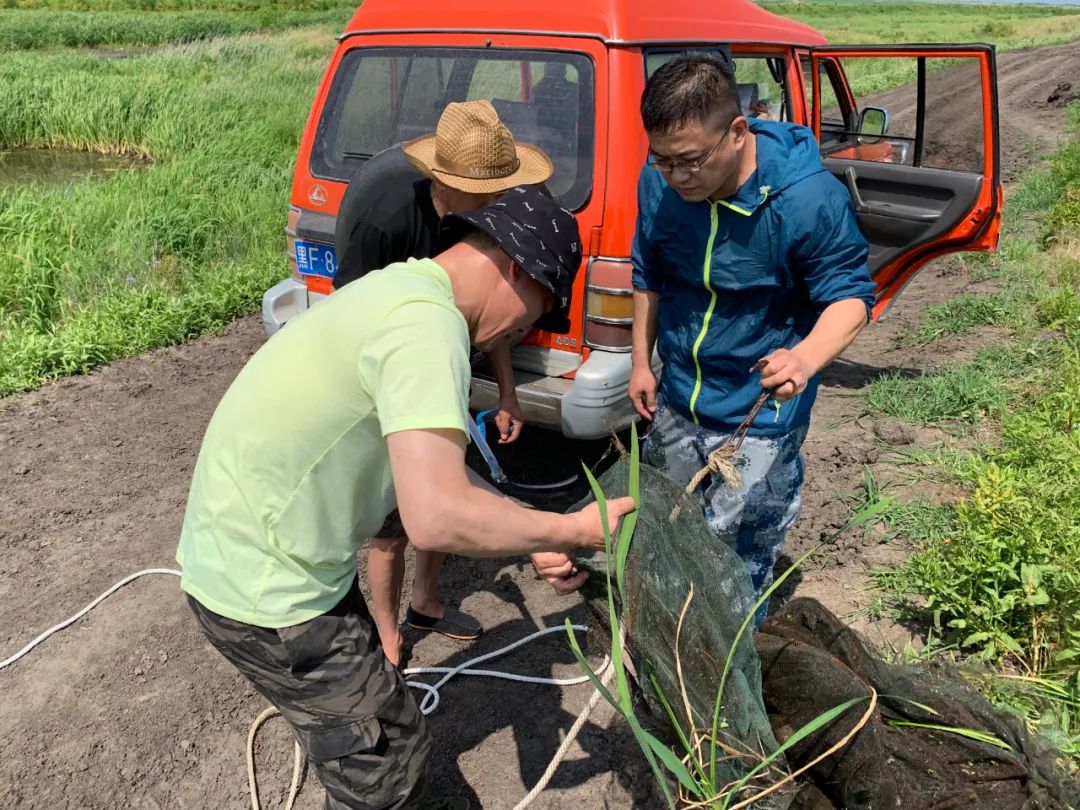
569 78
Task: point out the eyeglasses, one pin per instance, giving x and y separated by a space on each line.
689 166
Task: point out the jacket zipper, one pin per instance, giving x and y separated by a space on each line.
708 312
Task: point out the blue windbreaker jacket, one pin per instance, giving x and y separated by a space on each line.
742 277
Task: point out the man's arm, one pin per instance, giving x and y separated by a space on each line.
789 370
642 389
554 566
509 419
829 256
647 282
443 511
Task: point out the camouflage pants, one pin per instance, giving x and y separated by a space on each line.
752 519
349 708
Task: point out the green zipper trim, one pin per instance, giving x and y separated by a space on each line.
735 208
708 312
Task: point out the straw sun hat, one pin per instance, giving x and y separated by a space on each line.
471 150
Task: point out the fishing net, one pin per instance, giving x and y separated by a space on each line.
804 663
673 549
811 661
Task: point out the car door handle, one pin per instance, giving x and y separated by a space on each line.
853 189
909 213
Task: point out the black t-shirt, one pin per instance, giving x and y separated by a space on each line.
386 216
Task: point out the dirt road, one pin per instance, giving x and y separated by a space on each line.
131 708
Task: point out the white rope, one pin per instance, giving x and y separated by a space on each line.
571 735
430 701
298 763
428 704
9 661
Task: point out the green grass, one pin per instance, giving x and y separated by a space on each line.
1007 26
998 572
961 315
104 269
996 575
183 5
954 394
24 30
857 22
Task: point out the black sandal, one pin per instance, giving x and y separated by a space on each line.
453 624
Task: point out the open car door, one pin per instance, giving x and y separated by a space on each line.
920 159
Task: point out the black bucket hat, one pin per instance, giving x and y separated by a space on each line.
541 236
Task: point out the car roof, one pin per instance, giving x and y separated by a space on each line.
636 22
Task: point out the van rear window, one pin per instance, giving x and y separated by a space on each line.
383 96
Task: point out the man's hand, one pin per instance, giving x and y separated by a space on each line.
509 419
642 391
785 372
591 530
559 570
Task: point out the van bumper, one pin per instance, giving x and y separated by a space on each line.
590 406
593 405
283 301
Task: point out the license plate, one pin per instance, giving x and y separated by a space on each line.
315 259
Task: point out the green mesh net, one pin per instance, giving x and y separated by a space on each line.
673 549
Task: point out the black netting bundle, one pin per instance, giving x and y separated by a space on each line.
802 664
811 661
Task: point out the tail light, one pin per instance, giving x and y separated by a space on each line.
290 241
609 304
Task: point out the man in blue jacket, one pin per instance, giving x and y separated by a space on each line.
749 273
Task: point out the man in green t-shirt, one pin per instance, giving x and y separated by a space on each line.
310 449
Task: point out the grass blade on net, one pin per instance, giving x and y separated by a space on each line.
915 703
683 740
626 533
622 686
675 765
970 733
580 656
735 645
818 723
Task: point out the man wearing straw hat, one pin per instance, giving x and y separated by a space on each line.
467 163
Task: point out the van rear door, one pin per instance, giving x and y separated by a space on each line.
912 131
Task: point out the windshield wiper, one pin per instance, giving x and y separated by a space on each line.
357 155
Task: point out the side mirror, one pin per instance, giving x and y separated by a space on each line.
873 123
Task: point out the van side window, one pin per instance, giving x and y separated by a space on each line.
833 112
495 79
423 90
760 79
888 123
762 88
655 57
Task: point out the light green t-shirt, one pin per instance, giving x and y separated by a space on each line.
293 475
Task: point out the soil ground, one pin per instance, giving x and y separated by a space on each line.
131 708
